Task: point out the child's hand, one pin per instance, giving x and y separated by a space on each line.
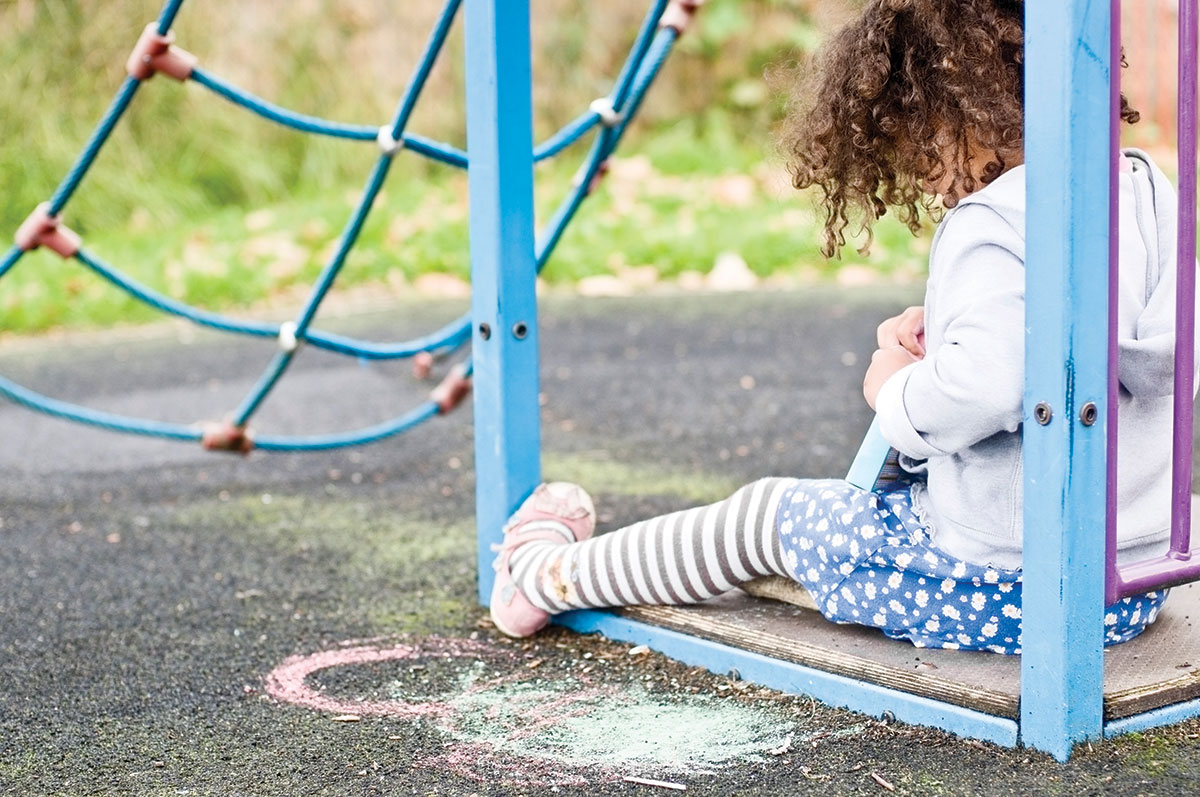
906 329
884 363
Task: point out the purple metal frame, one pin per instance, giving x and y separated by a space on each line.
1176 566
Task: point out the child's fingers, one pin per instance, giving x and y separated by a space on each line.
911 338
885 333
910 331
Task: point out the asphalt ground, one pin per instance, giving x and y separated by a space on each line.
179 622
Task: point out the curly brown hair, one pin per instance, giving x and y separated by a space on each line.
907 95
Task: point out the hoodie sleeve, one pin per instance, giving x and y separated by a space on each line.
970 385
1147 345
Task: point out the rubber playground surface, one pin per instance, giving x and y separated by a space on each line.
178 622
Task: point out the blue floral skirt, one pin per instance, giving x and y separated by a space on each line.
866 559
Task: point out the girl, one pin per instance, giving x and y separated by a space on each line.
914 100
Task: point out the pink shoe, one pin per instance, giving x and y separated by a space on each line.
559 512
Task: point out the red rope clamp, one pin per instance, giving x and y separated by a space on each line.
679 15
452 390
155 52
422 365
42 229
224 436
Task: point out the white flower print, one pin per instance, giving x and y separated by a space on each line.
921 598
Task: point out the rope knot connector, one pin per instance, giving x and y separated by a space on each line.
679 14
422 365
609 116
288 341
225 436
42 229
452 390
388 145
156 52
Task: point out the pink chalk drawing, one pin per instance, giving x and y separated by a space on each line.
523 726
288 681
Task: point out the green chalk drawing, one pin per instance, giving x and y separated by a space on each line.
577 723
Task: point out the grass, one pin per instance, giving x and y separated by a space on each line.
682 197
197 199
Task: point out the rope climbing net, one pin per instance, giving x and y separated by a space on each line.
156 53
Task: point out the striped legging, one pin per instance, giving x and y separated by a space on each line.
683 557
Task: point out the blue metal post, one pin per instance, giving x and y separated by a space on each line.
1067 151
503 273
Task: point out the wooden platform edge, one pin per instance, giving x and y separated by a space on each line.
1140 699
692 622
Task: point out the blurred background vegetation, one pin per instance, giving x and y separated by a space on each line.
220 208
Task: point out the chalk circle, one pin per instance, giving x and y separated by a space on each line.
289 681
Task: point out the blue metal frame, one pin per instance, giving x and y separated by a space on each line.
503 267
1067 140
1067 146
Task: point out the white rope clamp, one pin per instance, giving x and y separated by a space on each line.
288 341
603 107
389 145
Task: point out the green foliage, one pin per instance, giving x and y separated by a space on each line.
210 205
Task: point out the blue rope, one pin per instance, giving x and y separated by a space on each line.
174 431
171 306
568 135
270 377
119 104
167 17
284 116
638 72
11 258
637 54
304 123
349 235
371 434
104 420
432 48
646 74
450 335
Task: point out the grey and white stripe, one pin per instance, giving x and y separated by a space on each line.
683 557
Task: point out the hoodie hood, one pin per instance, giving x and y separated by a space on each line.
1146 310
1149 210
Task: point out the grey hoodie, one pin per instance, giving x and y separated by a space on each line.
955 416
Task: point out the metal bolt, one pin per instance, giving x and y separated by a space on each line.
1042 413
485 330
520 330
1087 415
